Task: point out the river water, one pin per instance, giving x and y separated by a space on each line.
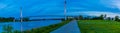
29 25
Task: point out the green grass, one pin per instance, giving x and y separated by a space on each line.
99 26
45 29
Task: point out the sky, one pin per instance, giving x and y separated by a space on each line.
11 8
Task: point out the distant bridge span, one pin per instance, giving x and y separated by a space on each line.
47 19
52 16
34 18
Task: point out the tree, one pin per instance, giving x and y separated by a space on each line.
2 19
108 18
80 17
87 18
10 18
101 17
112 18
116 18
95 18
25 19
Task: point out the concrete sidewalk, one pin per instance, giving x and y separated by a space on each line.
71 27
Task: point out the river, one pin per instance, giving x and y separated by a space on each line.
29 25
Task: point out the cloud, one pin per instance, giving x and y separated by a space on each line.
2 6
95 13
111 3
75 8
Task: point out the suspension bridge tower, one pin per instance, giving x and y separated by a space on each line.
21 18
65 10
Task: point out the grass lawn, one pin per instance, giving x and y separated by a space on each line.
99 26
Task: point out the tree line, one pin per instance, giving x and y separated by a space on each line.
11 19
101 17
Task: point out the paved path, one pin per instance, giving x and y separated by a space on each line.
71 27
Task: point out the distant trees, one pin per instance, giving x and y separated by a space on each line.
116 18
3 19
25 19
95 18
108 18
101 17
87 18
11 19
80 17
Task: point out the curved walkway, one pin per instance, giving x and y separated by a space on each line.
71 27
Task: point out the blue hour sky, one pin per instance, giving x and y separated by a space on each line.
11 8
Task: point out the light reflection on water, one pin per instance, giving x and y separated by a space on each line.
29 25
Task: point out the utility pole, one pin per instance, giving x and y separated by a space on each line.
21 18
65 10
